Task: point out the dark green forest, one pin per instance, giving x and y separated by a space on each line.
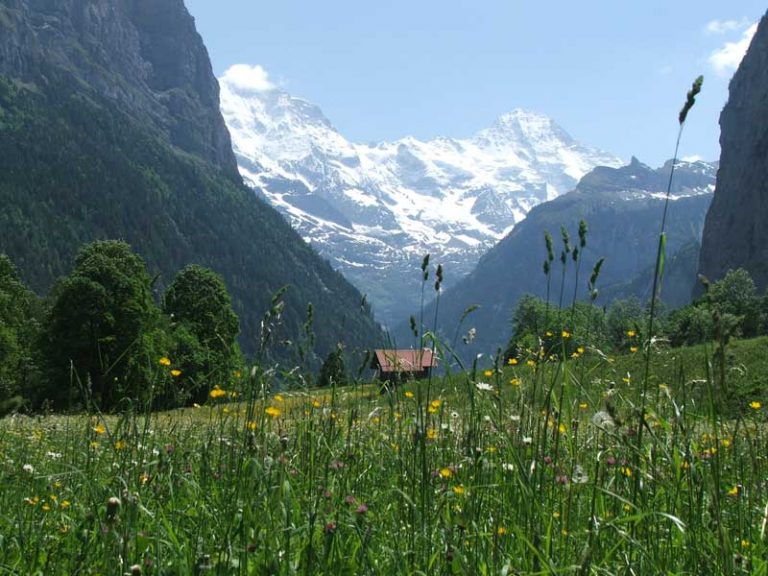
74 168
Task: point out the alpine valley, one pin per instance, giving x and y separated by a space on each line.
374 210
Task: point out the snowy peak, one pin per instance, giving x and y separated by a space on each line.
375 210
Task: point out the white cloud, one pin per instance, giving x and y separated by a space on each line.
245 77
721 27
727 58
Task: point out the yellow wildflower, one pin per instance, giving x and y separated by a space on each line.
488 373
431 433
217 392
512 361
734 491
755 405
120 445
408 394
458 489
273 412
175 372
165 361
446 473
99 429
633 349
515 381
565 334
631 333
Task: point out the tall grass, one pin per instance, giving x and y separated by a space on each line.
474 479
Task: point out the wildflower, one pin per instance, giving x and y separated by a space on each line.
565 334
165 361
175 372
548 334
484 386
626 470
251 425
755 405
734 491
217 392
32 501
531 363
631 333
562 429
408 394
273 412
362 509
120 445
279 398
745 544
431 433
726 442
583 406
237 374
633 349
99 429
28 468
436 403
330 528
515 381
512 361
488 373
580 349
316 404
350 499
46 507
65 504
500 531
555 514
113 505
458 490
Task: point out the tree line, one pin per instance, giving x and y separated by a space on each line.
100 337
729 308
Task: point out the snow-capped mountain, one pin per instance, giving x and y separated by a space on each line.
375 210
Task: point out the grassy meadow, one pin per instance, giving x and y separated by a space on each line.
538 466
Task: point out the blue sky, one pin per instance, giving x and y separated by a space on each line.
612 73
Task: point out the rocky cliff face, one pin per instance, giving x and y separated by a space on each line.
143 55
735 233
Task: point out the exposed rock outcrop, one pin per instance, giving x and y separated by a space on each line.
735 232
144 55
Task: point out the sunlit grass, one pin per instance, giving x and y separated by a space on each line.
523 469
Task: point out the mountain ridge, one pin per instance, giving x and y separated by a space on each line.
110 133
383 206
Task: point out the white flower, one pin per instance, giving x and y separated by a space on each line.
579 476
602 419
53 455
28 468
483 386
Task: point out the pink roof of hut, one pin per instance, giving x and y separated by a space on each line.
391 360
